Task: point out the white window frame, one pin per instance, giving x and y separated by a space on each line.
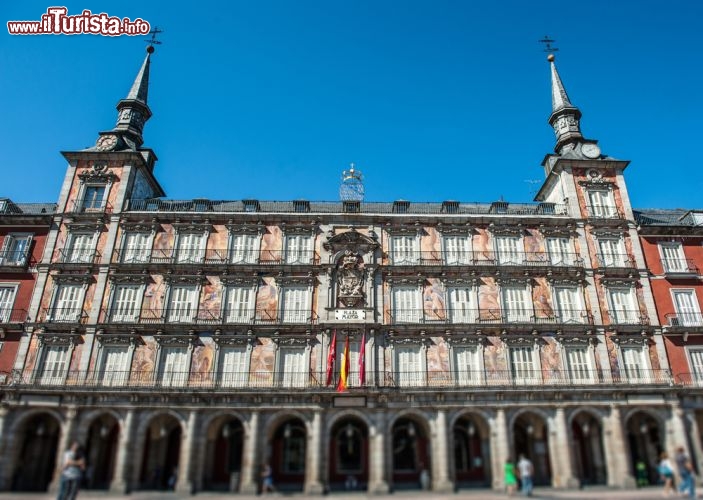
409 314
696 365
354 352
139 298
453 252
298 248
573 314
108 375
9 245
584 374
192 254
505 254
527 377
559 250
611 258
638 369
234 378
671 264
618 316
246 315
301 311
687 318
52 372
605 206
524 314
462 311
137 255
404 249
474 374
247 252
83 193
7 305
173 378
180 315
58 312
82 255
410 378
298 378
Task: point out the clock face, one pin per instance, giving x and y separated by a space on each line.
590 150
106 142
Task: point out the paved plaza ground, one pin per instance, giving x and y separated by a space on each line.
649 493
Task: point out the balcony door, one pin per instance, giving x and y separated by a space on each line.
688 312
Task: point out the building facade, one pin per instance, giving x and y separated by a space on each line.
187 343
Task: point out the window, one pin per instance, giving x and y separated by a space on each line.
7 299
522 365
243 250
126 302
298 249
174 366
612 252
238 305
354 349
517 307
183 306
68 304
456 250
234 367
55 365
509 250
462 305
296 305
578 361
191 248
409 366
93 198
559 251
688 312
696 360
633 363
294 372
15 249
80 248
568 302
601 203
406 305
115 366
466 364
404 250
137 248
673 257
623 306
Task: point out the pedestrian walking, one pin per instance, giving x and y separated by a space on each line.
526 470
72 467
266 479
509 473
684 467
666 473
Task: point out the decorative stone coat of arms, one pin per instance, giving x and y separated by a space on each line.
350 279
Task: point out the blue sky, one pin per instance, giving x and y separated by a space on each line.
432 100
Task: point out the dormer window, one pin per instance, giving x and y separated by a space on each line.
601 203
93 198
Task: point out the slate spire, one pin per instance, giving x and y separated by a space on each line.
565 116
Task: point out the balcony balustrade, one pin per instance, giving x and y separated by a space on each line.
230 381
628 317
604 212
479 258
88 206
258 316
12 316
63 315
14 258
489 316
679 266
71 256
615 261
215 257
686 319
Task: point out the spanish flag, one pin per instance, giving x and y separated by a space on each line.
362 360
331 358
344 369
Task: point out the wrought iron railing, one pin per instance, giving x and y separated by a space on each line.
204 316
489 316
63 315
331 207
482 258
14 258
604 212
89 206
615 260
685 319
12 316
628 317
214 257
71 256
231 381
684 266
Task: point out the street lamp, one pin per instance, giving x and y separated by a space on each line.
411 430
287 431
226 431
471 429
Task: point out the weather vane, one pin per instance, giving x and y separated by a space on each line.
548 47
153 41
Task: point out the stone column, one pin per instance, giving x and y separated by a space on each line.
560 453
617 451
500 448
249 478
184 485
440 453
378 483
123 459
5 458
64 442
695 443
313 485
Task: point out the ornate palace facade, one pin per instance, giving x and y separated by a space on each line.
188 341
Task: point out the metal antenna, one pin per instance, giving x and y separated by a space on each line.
548 47
153 41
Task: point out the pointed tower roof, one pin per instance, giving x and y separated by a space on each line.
140 87
565 116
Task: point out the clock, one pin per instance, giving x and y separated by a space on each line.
590 150
106 142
